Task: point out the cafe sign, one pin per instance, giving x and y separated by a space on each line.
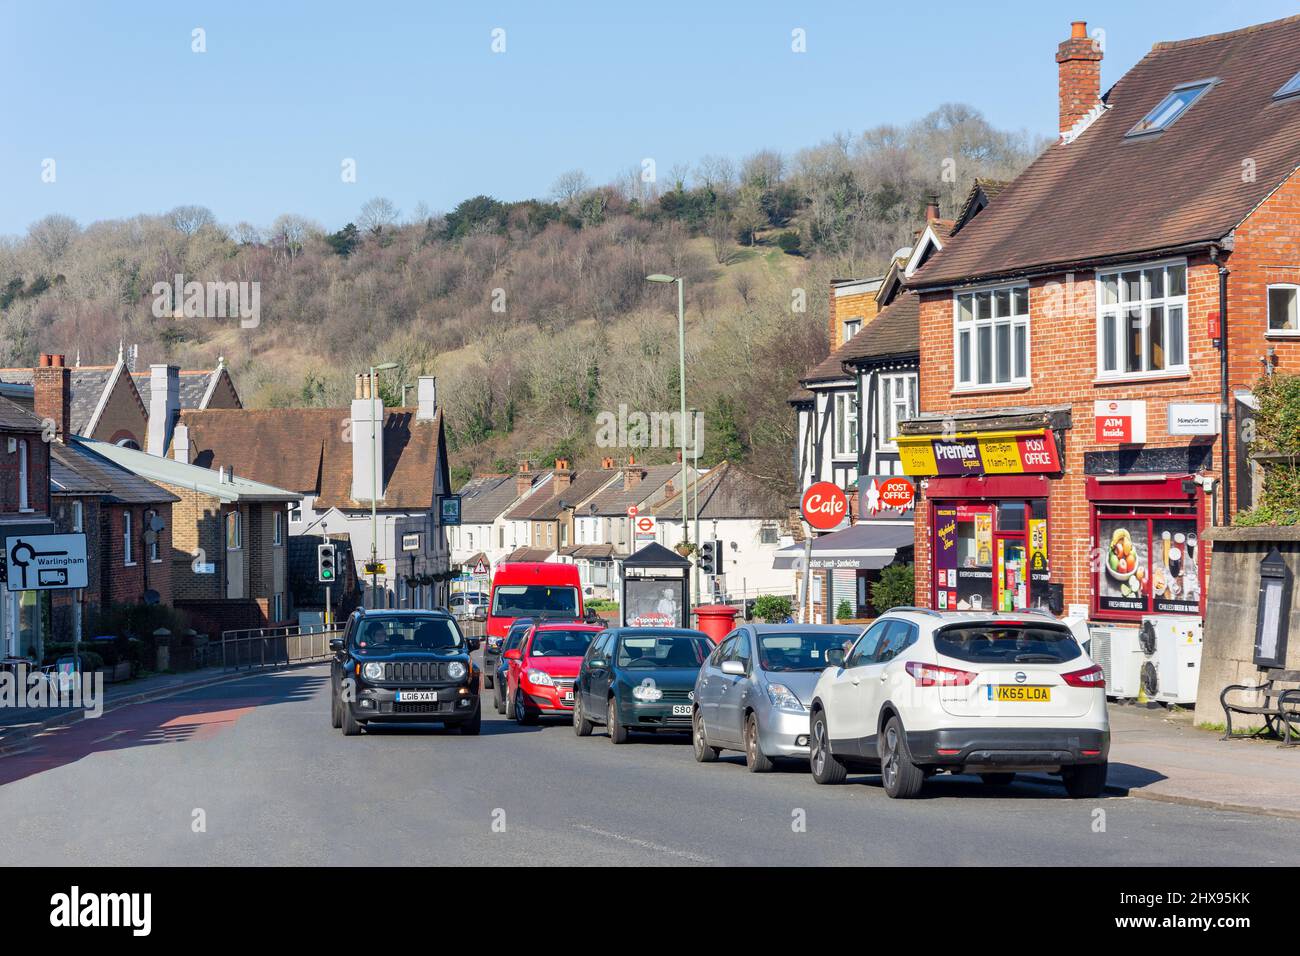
988 453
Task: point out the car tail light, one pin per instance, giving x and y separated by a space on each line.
932 675
1089 677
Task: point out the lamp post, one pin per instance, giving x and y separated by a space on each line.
695 503
681 381
374 477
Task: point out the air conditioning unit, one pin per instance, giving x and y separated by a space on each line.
1116 650
1172 669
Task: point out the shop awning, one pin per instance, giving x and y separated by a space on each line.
862 547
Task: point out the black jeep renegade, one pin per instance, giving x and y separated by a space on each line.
403 667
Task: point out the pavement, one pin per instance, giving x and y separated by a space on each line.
249 771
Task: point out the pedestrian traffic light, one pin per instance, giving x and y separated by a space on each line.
325 566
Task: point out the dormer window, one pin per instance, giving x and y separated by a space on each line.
1290 88
851 328
1171 107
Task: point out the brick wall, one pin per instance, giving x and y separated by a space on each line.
845 307
38 473
124 416
61 602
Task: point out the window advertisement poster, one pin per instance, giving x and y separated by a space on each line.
945 558
975 554
1122 577
1039 570
1175 567
653 602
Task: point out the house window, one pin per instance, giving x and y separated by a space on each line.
1142 320
768 533
851 328
23 497
277 607
277 528
78 516
992 337
128 549
1171 107
295 512
897 404
1290 88
155 547
1282 308
234 531
846 424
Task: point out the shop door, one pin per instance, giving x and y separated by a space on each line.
1011 573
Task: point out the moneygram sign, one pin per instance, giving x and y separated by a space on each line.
994 453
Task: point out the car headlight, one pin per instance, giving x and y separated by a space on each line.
540 678
784 698
647 693
455 670
373 671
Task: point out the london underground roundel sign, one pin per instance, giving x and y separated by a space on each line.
824 506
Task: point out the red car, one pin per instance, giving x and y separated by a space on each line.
541 670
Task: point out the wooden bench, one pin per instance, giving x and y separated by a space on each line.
1280 708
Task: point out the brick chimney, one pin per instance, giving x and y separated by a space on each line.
931 208
164 407
1078 75
52 393
563 475
524 478
632 474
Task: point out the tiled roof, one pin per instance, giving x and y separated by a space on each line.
1106 196
895 331
85 386
307 450
547 507
15 418
78 468
988 188
180 474
614 500
529 555
728 491
588 552
483 499
194 385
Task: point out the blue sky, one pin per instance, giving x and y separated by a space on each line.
260 123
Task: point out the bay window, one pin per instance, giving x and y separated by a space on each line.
991 337
1142 320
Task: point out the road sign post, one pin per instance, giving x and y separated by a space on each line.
45 562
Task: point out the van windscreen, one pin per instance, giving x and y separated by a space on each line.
534 600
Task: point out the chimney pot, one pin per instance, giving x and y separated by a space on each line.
1078 29
931 208
52 395
45 360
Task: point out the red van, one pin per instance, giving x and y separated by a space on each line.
537 589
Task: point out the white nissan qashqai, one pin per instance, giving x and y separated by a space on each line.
922 692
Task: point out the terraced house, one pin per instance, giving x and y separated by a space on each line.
1089 342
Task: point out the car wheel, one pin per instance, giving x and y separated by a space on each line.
1085 780
522 714
581 725
755 759
826 767
351 726
336 718
997 779
613 726
471 727
700 740
901 777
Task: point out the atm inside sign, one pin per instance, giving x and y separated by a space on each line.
1120 422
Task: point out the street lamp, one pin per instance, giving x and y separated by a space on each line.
374 477
681 381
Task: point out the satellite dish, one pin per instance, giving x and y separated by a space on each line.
151 597
156 523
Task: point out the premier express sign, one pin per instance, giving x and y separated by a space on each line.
993 453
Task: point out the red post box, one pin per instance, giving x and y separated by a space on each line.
716 620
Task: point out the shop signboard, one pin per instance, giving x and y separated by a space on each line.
945 557
994 453
1193 418
1119 422
886 496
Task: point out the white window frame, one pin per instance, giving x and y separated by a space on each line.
78 516
155 546
1268 309
233 541
128 540
295 512
888 421
24 485
839 402
1015 323
277 528
851 327
1119 309
277 606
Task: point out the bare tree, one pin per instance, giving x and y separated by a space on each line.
190 219
53 236
568 187
377 215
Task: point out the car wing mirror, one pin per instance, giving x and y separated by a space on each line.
473 643
596 663
512 654
734 668
835 657
336 644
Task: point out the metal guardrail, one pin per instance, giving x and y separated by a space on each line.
473 628
256 648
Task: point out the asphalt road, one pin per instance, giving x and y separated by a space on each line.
256 763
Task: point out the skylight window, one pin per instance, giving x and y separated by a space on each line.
1290 88
1171 107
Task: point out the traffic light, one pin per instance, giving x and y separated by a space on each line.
325 565
710 557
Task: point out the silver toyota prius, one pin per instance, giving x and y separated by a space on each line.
752 693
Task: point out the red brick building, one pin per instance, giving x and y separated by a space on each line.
1089 342
24 509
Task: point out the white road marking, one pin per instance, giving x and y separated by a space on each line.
644 844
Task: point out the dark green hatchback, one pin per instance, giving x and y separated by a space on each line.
639 679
